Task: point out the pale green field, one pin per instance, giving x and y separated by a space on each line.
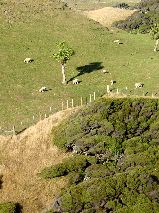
35 32
96 4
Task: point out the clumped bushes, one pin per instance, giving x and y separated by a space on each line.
122 5
115 166
9 208
143 19
72 164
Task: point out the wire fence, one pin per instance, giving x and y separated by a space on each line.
71 103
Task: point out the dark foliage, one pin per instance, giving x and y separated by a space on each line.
115 167
143 19
10 207
122 5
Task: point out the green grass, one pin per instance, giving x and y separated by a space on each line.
97 4
36 37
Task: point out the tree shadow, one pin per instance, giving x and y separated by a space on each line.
87 69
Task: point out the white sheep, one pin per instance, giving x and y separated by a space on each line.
139 85
43 89
118 42
105 71
28 60
75 81
112 82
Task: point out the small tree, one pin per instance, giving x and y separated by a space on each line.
63 55
154 32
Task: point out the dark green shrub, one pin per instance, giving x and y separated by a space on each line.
116 169
142 20
8 207
72 164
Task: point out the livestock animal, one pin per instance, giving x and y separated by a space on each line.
43 89
75 81
112 82
28 60
118 42
139 85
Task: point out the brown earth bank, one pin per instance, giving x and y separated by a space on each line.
22 157
107 15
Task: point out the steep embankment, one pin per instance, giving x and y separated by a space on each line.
22 157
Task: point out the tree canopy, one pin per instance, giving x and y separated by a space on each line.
64 53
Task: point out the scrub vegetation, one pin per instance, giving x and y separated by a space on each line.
116 157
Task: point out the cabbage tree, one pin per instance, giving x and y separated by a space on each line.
154 32
62 56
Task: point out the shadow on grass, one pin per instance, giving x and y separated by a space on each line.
87 69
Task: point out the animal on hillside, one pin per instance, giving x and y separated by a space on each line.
43 89
28 60
75 81
112 82
118 42
105 71
139 85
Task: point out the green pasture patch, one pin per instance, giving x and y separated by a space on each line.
36 37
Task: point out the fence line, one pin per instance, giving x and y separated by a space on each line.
71 104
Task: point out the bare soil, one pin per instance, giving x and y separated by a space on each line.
107 15
22 157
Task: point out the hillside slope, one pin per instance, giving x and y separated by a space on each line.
115 162
32 29
22 157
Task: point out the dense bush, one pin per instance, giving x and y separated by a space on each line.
8 208
143 19
78 163
115 167
122 5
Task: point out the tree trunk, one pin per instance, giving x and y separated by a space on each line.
156 45
63 73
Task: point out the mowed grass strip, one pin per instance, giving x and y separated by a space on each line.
36 37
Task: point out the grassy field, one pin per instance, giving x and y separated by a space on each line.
32 29
96 4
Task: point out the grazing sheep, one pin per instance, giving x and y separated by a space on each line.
139 85
118 42
105 71
43 89
75 81
112 82
28 60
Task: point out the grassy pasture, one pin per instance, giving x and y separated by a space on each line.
96 4
36 36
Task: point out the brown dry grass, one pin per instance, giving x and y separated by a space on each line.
107 15
22 157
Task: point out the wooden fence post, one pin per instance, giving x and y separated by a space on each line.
67 104
81 101
62 106
90 98
13 130
94 95
108 89
72 103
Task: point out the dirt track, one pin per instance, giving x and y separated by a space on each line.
107 15
22 157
